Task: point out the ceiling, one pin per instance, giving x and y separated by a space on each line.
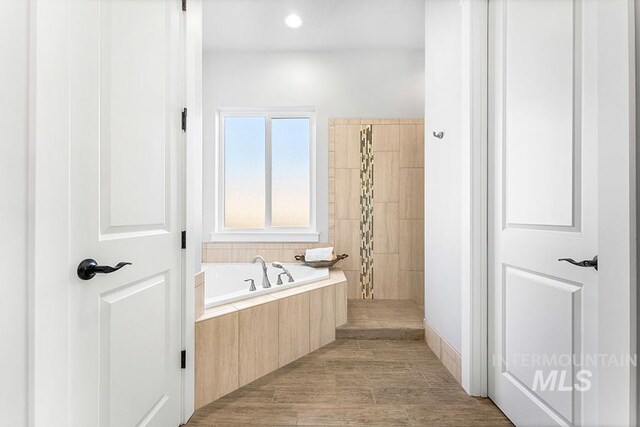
327 24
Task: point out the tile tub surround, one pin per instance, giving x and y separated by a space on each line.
240 342
223 252
449 357
398 205
199 294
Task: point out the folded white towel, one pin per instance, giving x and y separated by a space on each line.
318 254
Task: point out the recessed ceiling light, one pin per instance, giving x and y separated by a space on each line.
293 21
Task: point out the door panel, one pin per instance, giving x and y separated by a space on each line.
135 134
541 318
126 145
126 334
541 116
542 157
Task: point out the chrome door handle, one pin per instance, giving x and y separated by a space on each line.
586 263
89 267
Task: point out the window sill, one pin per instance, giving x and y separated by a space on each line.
239 236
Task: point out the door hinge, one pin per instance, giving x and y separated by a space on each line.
183 359
184 5
184 119
183 241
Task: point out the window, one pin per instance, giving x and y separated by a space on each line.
266 176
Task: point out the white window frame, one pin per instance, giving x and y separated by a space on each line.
268 233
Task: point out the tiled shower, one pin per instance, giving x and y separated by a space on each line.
378 162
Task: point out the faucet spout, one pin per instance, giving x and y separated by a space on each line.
265 279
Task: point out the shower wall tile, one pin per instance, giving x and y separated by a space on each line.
386 274
398 195
418 287
348 242
411 286
332 193
406 283
386 176
412 248
346 121
411 146
332 186
347 146
332 163
353 284
348 198
386 137
385 228
411 193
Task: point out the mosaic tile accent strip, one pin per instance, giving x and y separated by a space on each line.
366 211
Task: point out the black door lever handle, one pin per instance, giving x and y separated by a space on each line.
89 267
586 263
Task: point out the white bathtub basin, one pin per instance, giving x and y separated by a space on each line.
224 283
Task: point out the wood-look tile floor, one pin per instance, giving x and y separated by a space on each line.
355 382
375 319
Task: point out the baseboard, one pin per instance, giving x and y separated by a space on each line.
449 357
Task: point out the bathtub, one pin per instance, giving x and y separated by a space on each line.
224 283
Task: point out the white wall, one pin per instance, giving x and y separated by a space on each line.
442 169
14 74
365 83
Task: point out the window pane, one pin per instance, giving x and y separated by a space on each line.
290 172
244 172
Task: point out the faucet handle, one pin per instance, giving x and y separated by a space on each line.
280 278
253 284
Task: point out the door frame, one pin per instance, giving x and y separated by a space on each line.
474 190
50 265
193 195
617 187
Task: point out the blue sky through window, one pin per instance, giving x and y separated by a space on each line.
244 172
290 172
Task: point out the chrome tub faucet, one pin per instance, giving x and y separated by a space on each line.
265 278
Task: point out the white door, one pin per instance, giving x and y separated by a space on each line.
544 97
126 94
